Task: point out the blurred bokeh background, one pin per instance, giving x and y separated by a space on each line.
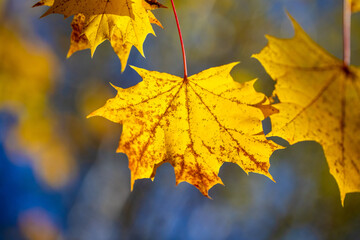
60 177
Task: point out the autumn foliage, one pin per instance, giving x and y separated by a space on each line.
197 123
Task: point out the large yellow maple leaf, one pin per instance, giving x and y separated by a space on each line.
195 124
318 96
125 23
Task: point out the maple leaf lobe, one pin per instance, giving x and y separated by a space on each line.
153 4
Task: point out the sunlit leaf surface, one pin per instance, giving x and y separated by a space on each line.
125 23
195 124
319 99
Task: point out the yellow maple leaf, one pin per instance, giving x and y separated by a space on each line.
118 41
125 23
195 124
317 95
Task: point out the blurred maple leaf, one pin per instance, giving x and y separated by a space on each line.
125 23
355 5
25 83
195 124
318 96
